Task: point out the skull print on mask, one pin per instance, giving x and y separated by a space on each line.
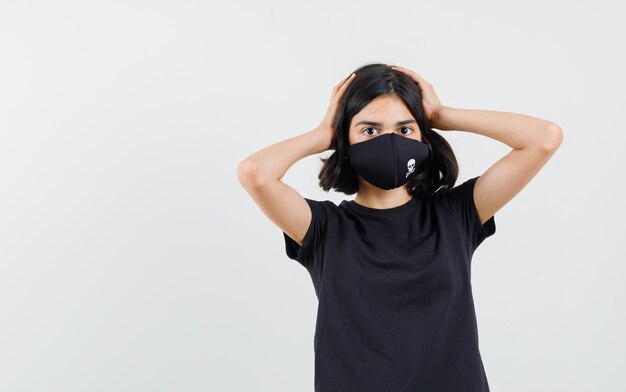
410 166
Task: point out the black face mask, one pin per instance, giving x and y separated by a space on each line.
389 161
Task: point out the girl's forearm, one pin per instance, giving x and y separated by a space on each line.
272 162
515 130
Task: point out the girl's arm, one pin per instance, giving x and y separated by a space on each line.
533 142
261 173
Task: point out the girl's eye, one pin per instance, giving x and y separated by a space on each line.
410 131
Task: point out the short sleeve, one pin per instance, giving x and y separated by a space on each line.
460 202
309 253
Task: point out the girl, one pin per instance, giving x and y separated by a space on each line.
392 268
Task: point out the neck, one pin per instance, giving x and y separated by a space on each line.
373 197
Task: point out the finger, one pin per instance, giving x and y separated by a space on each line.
399 68
344 85
338 85
408 71
347 81
413 74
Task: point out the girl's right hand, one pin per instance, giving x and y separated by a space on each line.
327 124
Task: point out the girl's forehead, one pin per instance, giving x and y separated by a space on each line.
384 112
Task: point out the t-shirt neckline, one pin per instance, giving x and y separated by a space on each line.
361 208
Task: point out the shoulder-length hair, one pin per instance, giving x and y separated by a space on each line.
370 82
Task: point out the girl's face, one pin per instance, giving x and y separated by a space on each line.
384 114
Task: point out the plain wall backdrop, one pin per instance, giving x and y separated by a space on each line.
131 259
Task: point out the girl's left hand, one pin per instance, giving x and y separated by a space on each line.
430 101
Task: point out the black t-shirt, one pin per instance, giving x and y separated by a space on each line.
395 310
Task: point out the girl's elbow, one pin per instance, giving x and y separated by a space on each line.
554 138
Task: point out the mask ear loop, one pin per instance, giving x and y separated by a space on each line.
430 155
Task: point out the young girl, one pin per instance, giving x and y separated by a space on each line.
392 268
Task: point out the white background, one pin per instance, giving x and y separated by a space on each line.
131 259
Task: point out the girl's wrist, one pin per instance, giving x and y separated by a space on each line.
323 139
440 118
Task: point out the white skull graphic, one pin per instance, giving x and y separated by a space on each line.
410 166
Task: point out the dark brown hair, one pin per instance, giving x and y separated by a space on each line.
370 82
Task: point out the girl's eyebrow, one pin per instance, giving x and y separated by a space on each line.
379 124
